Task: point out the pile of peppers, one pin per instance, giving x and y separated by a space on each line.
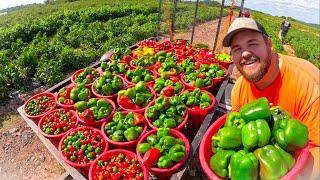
139 74
114 67
87 76
72 94
204 75
39 105
58 122
125 127
93 110
167 112
168 87
108 84
135 97
196 99
83 146
257 142
162 149
121 54
118 166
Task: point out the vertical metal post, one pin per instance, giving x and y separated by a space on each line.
219 24
194 21
241 8
174 15
159 20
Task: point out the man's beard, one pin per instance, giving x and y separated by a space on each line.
259 74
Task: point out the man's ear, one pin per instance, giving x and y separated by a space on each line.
269 43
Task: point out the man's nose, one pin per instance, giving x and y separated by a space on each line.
246 54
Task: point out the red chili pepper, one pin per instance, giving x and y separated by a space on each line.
90 77
174 79
201 75
151 157
168 91
127 58
126 102
138 119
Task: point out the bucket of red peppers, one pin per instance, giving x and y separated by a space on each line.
80 147
135 98
85 76
199 103
259 141
95 111
57 123
39 104
125 129
168 112
107 86
118 164
68 96
163 151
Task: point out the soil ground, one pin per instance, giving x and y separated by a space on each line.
23 156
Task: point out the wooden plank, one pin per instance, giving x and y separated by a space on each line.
53 150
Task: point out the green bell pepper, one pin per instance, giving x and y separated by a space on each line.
130 93
228 138
161 132
290 134
255 134
103 112
177 152
234 119
274 163
219 162
243 165
164 162
117 136
257 109
81 105
152 139
92 102
102 103
143 148
169 123
83 94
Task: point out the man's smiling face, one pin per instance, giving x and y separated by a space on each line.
251 53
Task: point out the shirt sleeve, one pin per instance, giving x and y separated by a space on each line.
311 118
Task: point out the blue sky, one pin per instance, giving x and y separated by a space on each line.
304 10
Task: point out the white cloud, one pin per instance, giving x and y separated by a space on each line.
11 3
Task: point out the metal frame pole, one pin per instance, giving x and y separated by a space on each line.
241 8
174 15
219 24
159 20
194 21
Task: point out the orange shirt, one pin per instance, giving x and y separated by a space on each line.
296 89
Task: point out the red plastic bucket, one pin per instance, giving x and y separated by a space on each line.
197 115
137 110
205 153
38 117
75 74
69 106
98 123
82 167
55 138
111 97
167 172
130 145
179 127
107 154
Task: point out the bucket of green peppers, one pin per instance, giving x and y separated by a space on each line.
124 129
199 103
259 141
163 151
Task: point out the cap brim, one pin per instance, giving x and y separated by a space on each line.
228 38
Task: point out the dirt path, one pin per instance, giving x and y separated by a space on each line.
23 156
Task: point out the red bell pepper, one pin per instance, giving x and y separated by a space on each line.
151 157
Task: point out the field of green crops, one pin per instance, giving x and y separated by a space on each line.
42 42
